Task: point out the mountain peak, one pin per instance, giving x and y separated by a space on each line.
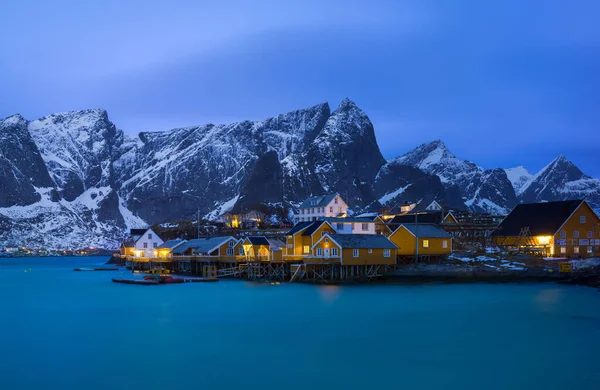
346 105
13 119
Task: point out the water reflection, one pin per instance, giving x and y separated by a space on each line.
329 293
547 299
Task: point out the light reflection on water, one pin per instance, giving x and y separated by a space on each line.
548 299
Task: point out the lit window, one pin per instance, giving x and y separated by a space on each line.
582 219
563 250
425 243
386 253
229 251
231 244
319 252
370 250
306 249
355 253
334 252
576 234
575 249
339 209
365 226
445 244
589 250
563 234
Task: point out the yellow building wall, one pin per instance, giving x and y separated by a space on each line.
405 242
366 258
326 245
223 252
573 224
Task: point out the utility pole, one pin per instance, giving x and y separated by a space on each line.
417 238
198 223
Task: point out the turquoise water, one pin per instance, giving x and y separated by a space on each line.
77 330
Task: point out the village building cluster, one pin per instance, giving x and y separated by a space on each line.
327 242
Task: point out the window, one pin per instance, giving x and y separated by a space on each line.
306 249
339 209
576 234
576 249
386 253
425 243
590 235
319 252
241 252
231 244
229 251
365 226
336 201
340 226
327 240
290 246
582 219
370 250
334 252
331 209
355 253
563 234
155 245
322 209
589 250
445 244
563 250
145 245
149 236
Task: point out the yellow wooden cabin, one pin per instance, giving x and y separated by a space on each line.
354 249
423 239
302 237
568 228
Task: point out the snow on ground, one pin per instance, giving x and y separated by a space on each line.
221 209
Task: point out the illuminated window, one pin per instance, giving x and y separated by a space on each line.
576 249
582 219
425 243
576 234
319 251
306 249
563 250
563 234
445 244
355 253
334 252
339 209
386 253
229 251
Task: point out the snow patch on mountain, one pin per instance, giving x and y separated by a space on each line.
518 177
392 195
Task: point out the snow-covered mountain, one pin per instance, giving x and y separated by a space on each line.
481 190
74 179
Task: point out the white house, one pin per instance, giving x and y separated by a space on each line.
146 244
434 206
319 207
352 225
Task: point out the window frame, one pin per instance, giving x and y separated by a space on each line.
320 252
387 253
355 252
582 219
425 243
306 249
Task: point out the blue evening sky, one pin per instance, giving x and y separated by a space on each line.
502 82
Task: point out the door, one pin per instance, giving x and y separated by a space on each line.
327 252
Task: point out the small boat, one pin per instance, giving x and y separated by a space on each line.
97 269
136 281
83 269
164 279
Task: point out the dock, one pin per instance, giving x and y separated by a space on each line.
97 269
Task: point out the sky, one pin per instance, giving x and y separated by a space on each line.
502 83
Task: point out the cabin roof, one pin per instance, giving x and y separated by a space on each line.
348 220
373 241
137 232
318 201
170 244
276 243
298 227
426 230
202 245
258 240
428 217
313 227
541 218
128 244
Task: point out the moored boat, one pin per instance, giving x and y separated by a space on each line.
136 281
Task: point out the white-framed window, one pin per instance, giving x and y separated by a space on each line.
335 252
290 246
231 243
306 249
365 227
590 234
563 234
149 236
589 250
155 245
582 219
319 252
425 243
340 226
386 253
563 250
145 245
576 234
576 249
229 251
370 250
445 244
355 253
241 251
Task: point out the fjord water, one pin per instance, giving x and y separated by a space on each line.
77 330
